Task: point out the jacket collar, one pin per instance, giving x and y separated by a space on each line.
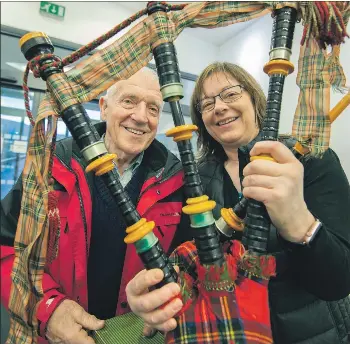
247 148
156 156
158 160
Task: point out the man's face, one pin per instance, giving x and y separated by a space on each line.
132 111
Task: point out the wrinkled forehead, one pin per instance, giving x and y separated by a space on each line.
216 82
140 85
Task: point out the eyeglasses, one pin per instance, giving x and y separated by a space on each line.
131 102
228 95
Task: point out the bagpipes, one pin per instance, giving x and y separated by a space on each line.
229 300
221 284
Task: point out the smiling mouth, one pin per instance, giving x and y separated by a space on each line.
134 131
226 121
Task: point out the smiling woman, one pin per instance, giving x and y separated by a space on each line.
303 199
232 122
307 201
239 104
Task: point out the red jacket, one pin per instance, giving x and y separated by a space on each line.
66 277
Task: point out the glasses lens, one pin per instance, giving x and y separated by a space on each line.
228 95
206 105
231 94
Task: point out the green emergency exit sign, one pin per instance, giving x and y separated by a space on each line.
52 9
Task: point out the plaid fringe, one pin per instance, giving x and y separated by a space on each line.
318 71
31 238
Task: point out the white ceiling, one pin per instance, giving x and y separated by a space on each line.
217 36
13 62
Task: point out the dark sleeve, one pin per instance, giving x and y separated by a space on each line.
10 210
324 267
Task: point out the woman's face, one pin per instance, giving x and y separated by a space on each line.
231 124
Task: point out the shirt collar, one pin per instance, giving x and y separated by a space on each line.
135 163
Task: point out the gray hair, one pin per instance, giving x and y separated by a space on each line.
112 89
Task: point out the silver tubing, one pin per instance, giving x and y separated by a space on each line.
224 228
172 90
280 54
94 150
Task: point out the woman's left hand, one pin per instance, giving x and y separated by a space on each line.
279 185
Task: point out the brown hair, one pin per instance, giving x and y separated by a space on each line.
207 146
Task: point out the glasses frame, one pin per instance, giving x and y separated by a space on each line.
218 95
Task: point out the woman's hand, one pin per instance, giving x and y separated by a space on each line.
145 303
280 186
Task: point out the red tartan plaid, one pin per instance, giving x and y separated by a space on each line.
220 310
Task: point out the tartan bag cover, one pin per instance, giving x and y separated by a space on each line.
222 306
87 80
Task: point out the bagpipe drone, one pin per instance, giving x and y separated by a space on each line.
222 281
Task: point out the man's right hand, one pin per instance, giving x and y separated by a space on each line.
145 304
68 323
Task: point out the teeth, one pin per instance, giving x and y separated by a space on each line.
134 131
227 121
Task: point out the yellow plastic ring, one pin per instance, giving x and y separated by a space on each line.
196 200
136 225
199 208
262 157
182 132
139 233
104 169
279 67
31 35
232 219
98 162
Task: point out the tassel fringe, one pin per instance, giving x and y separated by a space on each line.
261 266
324 21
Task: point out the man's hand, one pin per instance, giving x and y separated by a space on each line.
279 185
68 323
145 304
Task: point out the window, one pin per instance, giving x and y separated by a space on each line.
15 130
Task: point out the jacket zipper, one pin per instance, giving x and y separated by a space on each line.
82 210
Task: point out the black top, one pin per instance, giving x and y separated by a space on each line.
107 247
231 195
311 275
327 195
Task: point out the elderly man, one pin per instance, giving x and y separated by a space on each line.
87 280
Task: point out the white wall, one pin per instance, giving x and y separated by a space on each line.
250 49
85 21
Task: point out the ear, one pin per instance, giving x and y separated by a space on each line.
103 108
